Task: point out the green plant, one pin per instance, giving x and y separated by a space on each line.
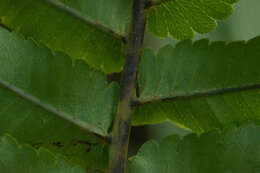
56 100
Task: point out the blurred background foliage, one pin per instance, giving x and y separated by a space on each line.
244 24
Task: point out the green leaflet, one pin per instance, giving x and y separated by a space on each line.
89 153
235 150
73 89
115 14
204 86
24 159
181 18
61 31
37 127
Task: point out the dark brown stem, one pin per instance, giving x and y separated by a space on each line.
121 129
